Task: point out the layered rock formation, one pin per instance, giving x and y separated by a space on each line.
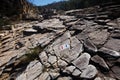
63 48
20 9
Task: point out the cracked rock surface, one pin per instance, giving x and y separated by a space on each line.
66 47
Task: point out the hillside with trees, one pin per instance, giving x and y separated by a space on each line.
77 4
12 10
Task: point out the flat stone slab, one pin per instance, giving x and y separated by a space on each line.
43 57
64 78
89 73
78 27
115 35
82 61
64 17
109 52
62 64
40 39
109 78
111 24
49 24
99 37
33 70
76 72
44 76
89 46
67 47
54 75
97 78
69 69
113 44
30 30
52 59
100 61
62 38
62 47
118 60
82 35
116 71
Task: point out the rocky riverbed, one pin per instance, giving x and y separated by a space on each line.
65 47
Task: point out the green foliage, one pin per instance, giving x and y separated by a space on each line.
34 53
31 55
